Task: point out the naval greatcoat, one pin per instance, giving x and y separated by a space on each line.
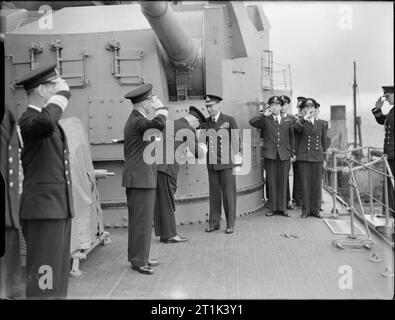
46 206
10 263
312 143
220 163
389 148
277 152
140 180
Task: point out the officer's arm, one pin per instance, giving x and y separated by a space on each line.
258 121
292 139
324 137
378 114
42 124
299 124
158 122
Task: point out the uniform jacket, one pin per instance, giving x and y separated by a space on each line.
137 173
172 169
223 151
278 139
388 122
312 140
47 192
10 168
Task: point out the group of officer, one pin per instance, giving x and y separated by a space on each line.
45 208
150 186
300 139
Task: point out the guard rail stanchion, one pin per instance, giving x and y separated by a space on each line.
352 241
334 191
370 185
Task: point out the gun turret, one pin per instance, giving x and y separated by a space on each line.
179 48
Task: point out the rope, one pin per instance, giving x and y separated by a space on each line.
371 197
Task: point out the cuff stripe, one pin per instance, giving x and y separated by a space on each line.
59 100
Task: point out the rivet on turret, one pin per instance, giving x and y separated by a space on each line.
190 222
121 100
102 100
181 223
206 220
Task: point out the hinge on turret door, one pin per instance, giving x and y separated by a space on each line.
71 69
126 60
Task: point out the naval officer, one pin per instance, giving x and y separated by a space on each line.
312 143
297 187
10 263
389 147
284 113
222 155
279 143
46 201
164 218
140 176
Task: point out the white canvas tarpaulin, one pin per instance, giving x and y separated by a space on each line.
88 221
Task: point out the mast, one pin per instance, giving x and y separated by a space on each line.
354 87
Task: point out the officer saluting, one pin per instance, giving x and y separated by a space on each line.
164 219
139 176
389 146
278 134
312 143
46 202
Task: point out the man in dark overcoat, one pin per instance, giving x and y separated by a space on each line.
46 206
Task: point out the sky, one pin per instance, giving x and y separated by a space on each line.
320 40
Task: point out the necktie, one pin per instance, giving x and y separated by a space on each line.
213 119
279 119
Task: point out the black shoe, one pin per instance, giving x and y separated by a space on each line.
270 213
290 207
318 215
153 262
144 270
229 230
304 215
211 229
285 213
321 209
175 239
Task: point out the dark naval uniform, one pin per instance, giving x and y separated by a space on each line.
312 143
220 164
277 152
10 263
288 196
140 180
46 202
164 218
389 149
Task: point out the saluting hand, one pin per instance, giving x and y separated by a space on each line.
309 115
61 85
268 112
379 103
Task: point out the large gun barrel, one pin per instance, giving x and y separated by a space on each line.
180 50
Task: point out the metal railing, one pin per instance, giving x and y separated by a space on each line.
351 166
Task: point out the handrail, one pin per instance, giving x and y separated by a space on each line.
349 169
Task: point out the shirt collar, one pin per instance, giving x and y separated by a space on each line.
217 116
142 114
34 107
